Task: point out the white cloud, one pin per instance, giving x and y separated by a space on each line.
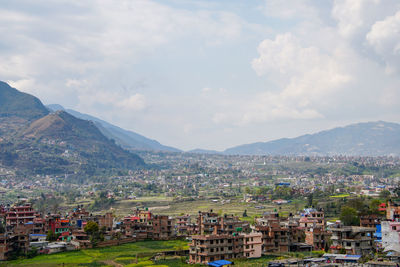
355 17
134 102
140 64
97 42
318 71
384 37
306 75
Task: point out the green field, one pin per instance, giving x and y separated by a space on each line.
261 262
167 206
340 196
123 255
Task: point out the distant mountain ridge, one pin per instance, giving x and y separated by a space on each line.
125 138
362 139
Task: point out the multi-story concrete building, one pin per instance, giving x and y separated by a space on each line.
229 224
317 238
59 225
182 224
132 226
275 238
390 236
206 222
18 215
148 226
313 218
370 221
252 245
163 227
354 240
105 221
208 248
7 245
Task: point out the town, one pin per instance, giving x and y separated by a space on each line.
211 236
292 210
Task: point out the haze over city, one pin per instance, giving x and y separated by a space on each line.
208 74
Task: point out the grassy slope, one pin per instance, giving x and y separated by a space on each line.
238 262
101 256
162 205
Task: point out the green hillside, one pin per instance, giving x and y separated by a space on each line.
18 104
32 141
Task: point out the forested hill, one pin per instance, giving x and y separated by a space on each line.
34 141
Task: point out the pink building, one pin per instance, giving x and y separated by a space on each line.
252 245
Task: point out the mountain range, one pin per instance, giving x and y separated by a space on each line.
35 141
126 139
26 123
362 139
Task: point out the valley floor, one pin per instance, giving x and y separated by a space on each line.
132 255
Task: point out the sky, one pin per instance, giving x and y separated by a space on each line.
204 73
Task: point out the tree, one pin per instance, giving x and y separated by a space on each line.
91 228
360 205
374 207
245 213
33 252
309 200
282 192
247 190
349 216
385 194
51 236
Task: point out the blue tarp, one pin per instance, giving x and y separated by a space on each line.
353 256
282 184
219 263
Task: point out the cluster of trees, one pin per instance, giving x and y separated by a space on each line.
95 234
355 208
45 204
51 236
102 202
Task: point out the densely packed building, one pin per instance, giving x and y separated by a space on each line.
213 236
